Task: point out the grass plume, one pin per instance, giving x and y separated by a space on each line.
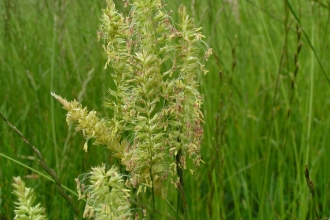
25 208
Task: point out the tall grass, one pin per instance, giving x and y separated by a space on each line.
265 118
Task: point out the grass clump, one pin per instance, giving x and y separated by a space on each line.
156 119
156 100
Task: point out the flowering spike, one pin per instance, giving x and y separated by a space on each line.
24 207
155 99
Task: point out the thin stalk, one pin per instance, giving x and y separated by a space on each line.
312 191
152 193
52 112
182 202
151 161
310 107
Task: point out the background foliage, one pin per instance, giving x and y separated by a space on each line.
264 123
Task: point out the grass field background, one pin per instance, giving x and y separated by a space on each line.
266 112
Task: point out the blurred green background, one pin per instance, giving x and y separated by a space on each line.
266 104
